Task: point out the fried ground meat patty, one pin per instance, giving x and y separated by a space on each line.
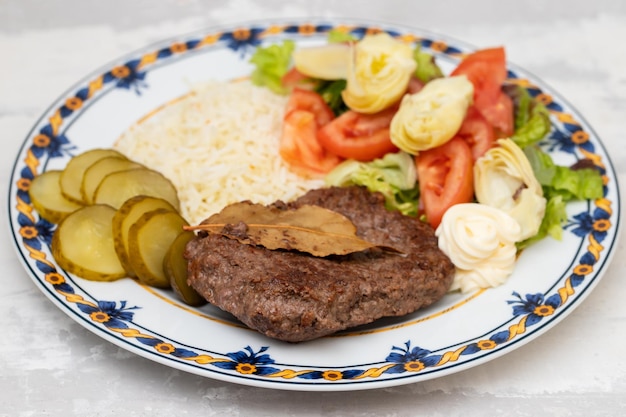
294 297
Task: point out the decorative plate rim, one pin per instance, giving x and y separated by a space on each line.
256 366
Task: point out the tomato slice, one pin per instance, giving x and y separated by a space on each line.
486 70
500 115
477 132
306 112
359 136
302 99
294 78
415 85
300 148
445 176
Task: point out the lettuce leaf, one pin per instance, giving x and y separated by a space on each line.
557 180
541 163
271 63
560 184
523 103
331 93
338 36
531 118
427 69
394 176
577 184
551 224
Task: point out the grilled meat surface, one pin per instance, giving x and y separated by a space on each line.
294 297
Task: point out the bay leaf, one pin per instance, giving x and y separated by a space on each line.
309 228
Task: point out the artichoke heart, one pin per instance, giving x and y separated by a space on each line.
503 178
326 62
432 116
378 73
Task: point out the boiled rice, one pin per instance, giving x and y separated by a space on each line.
218 145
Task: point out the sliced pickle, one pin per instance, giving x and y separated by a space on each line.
83 244
47 199
98 170
149 239
126 216
72 176
117 187
175 269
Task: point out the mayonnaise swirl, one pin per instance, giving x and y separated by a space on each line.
378 73
433 115
480 242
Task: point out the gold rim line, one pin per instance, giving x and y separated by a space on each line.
347 334
189 309
164 106
153 113
416 321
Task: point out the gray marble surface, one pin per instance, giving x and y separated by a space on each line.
51 366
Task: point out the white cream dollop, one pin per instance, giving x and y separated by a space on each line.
480 242
503 178
378 73
433 115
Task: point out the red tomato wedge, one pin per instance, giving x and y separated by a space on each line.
359 136
300 148
306 112
477 132
301 99
415 85
294 78
445 176
486 70
500 116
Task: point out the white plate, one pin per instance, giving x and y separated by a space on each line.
459 332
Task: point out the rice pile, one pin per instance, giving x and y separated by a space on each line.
218 145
